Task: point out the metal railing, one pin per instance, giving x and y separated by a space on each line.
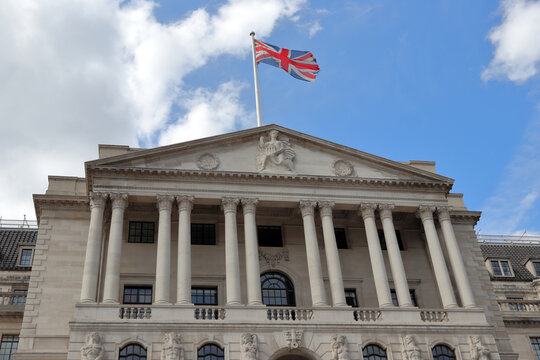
18 224
509 239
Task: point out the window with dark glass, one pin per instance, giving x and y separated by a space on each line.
535 343
8 346
382 240
26 257
141 232
204 295
373 352
269 236
132 352
341 238
203 234
443 352
536 265
501 268
277 290
395 299
137 294
210 352
350 297
517 305
20 297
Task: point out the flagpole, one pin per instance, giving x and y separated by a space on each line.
256 77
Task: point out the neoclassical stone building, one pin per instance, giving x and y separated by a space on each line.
261 244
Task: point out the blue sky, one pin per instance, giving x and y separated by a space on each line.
449 81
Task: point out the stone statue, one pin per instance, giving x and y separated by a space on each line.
93 347
278 151
340 348
478 350
248 345
171 349
410 350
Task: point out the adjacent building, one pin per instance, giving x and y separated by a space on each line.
263 244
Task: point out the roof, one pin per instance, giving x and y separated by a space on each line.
517 254
10 241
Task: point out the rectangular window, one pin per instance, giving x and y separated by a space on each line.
204 295
26 257
516 306
269 236
341 239
536 265
395 299
141 232
8 347
20 298
350 297
137 294
501 268
535 343
203 234
382 240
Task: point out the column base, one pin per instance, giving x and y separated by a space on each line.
257 304
387 305
321 305
451 306
234 304
162 302
184 302
87 301
408 306
110 301
341 305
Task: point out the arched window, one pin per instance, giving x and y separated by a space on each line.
277 290
210 352
373 352
132 352
443 352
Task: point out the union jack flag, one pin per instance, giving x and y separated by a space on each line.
299 64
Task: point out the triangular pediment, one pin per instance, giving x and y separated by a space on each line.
270 149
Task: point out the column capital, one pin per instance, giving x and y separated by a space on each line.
367 210
119 200
325 207
164 201
425 212
229 204
97 200
185 202
443 212
249 205
307 207
385 211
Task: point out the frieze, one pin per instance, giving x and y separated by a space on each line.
274 259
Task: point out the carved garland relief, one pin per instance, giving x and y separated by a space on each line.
208 161
248 345
342 168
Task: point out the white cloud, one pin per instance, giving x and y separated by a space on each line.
315 28
517 49
76 73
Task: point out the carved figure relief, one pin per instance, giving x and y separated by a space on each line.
248 345
340 347
342 168
171 349
93 347
277 150
207 161
410 351
293 338
478 350
273 259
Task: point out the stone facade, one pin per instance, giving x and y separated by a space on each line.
332 206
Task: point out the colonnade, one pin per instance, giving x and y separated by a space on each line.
232 267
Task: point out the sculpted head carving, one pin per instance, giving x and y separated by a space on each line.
171 349
276 150
248 343
93 347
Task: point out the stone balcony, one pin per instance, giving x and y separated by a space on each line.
12 304
520 310
263 316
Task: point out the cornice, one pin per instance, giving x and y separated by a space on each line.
465 217
220 176
59 201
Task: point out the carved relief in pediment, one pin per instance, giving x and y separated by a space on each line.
208 161
275 149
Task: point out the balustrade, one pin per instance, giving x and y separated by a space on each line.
520 305
135 313
209 313
434 316
367 315
293 314
12 299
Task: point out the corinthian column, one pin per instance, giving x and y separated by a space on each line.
318 295
394 255
375 255
332 255
114 251
425 213
462 280
163 256
249 207
93 248
183 291
232 266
